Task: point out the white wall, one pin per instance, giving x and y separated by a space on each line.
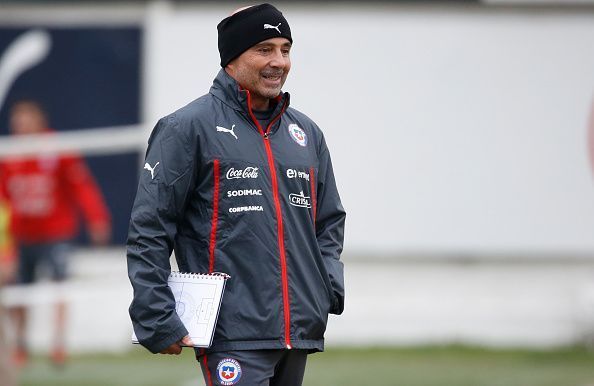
497 304
459 129
469 122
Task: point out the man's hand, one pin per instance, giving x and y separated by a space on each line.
176 348
8 269
99 234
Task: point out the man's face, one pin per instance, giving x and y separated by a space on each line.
26 119
262 69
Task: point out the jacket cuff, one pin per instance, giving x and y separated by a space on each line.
174 337
337 305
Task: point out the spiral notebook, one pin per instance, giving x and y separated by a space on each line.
198 299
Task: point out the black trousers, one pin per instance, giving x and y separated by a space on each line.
254 368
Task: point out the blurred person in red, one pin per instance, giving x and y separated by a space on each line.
7 264
7 250
46 193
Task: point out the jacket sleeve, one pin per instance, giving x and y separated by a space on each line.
330 227
165 183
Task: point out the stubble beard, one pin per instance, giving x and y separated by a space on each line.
269 92
255 82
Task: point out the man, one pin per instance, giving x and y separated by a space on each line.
239 182
46 193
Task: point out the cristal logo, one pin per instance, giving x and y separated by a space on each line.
292 173
299 200
249 172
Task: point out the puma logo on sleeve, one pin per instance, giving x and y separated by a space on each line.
148 167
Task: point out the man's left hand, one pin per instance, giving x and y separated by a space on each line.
176 348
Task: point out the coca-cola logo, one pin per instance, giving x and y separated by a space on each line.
249 172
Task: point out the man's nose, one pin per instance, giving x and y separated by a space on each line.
278 60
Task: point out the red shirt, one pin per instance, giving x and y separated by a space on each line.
46 193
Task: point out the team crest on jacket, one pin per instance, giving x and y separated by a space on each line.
298 134
228 371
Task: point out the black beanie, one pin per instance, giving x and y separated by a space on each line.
249 27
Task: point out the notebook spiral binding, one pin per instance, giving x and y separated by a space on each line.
190 275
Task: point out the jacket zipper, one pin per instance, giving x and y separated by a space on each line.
314 203
279 216
215 217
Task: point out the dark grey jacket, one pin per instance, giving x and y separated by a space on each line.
257 203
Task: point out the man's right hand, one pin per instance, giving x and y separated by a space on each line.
176 348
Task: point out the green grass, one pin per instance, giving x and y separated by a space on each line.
427 366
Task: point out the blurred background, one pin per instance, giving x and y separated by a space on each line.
462 136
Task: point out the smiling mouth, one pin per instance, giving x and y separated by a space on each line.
272 78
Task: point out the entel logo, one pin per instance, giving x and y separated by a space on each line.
249 172
292 173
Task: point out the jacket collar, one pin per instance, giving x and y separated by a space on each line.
227 89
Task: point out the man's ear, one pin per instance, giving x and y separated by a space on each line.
230 69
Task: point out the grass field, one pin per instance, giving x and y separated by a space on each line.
427 366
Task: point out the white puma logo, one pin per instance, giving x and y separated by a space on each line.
224 130
268 26
148 167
